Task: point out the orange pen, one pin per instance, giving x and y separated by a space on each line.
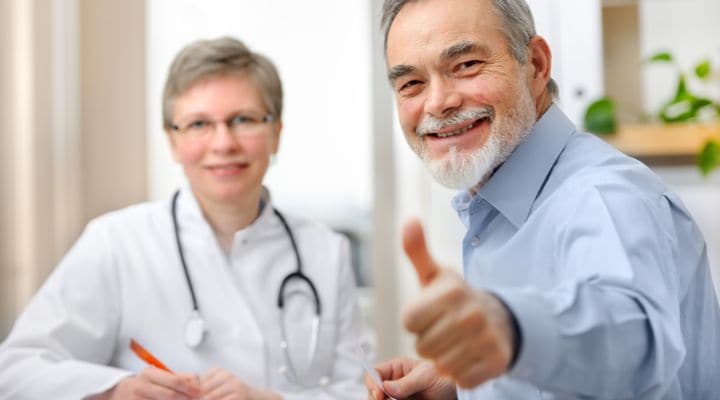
146 356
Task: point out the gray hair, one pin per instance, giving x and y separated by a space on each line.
205 59
517 21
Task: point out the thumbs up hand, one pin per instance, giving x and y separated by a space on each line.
466 333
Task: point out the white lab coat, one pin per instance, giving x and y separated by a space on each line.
123 279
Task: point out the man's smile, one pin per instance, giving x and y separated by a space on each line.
457 129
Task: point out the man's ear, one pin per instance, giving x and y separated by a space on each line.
540 59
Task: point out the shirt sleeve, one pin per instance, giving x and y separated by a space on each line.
346 381
610 327
61 343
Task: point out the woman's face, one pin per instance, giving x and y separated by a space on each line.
221 139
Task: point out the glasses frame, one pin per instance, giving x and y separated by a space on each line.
256 123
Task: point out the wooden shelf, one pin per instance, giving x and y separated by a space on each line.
619 3
664 144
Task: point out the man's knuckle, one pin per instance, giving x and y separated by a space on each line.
454 294
422 349
472 317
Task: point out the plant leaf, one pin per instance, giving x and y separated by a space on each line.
662 56
600 117
681 93
702 70
709 157
684 106
677 111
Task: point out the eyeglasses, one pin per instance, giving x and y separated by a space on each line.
240 125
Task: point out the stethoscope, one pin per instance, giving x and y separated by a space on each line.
195 326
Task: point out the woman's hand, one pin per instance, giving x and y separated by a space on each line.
219 384
154 384
407 378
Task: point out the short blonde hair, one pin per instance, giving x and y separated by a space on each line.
217 57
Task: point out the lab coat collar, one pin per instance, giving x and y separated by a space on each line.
189 212
514 187
264 219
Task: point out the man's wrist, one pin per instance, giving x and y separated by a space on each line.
515 332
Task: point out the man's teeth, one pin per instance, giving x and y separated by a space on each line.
459 131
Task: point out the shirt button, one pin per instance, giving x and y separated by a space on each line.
475 241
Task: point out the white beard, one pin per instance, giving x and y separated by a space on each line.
463 170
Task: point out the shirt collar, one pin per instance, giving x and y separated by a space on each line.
515 185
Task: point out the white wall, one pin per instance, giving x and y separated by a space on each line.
690 29
573 30
322 51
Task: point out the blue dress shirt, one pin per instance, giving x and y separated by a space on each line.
603 268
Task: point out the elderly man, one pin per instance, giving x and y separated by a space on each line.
585 278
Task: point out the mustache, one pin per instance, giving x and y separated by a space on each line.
430 124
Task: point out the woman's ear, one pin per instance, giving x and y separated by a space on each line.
277 129
540 59
169 134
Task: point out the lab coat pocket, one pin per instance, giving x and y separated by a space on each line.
311 358
327 347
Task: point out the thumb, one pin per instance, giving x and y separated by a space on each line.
413 239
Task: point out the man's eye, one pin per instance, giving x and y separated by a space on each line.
468 65
242 120
409 84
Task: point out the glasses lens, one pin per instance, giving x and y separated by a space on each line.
249 124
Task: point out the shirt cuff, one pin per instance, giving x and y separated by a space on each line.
516 331
538 335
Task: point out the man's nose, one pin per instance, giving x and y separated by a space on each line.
443 99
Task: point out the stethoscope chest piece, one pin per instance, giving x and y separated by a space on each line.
194 330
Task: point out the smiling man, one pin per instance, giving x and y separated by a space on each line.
584 277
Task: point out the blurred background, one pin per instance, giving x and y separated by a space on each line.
80 88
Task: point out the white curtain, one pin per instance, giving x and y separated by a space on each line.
60 167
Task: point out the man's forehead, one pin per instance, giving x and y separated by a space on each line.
439 24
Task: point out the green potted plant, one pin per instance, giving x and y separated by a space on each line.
685 106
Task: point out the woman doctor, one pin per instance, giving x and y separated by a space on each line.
197 279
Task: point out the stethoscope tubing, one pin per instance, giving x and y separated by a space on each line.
181 253
297 274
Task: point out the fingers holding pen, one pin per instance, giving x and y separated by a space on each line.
155 384
219 383
185 384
